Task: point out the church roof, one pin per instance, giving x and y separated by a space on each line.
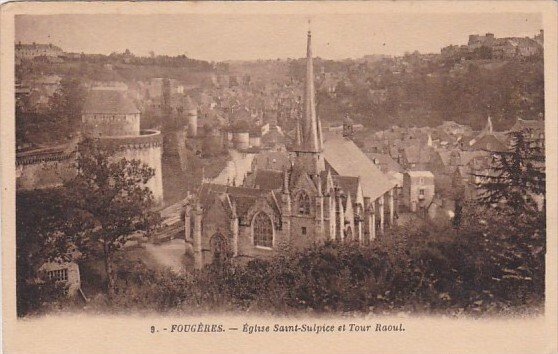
244 198
108 101
268 179
348 160
348 184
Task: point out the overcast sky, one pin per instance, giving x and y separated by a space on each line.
235 37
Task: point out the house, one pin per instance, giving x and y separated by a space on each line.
418 190
487 139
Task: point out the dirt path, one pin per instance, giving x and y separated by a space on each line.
168 255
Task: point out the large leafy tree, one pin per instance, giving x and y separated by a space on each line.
110 202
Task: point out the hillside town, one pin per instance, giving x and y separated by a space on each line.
251 158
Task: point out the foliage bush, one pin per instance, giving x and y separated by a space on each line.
486 270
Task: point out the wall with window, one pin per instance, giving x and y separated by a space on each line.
263 236
418 191
66 273
215 221
303 220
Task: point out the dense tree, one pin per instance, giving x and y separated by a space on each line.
109 201
39 216
66 105
516 181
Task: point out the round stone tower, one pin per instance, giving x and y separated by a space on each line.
111 117
191 117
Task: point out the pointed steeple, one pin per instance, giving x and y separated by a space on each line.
310 126
298 141
489 129
309 142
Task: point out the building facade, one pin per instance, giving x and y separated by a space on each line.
30 51
418 190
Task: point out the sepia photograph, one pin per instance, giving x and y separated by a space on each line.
281 165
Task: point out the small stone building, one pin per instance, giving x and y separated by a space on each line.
67 273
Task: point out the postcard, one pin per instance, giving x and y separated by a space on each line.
295 177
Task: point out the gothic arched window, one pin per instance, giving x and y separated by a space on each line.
303 203
263 230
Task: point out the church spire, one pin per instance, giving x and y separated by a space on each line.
309 144
311 135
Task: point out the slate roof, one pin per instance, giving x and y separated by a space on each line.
468 156
416 154
268 179
386 162
243 197
109 102
489 142
271 160
348 184
346 159
208 191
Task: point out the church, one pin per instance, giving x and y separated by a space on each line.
330 190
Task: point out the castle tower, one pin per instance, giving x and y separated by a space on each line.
169 119
114 120
488 128
309 143
191 117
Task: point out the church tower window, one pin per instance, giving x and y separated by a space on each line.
303 203
263 230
